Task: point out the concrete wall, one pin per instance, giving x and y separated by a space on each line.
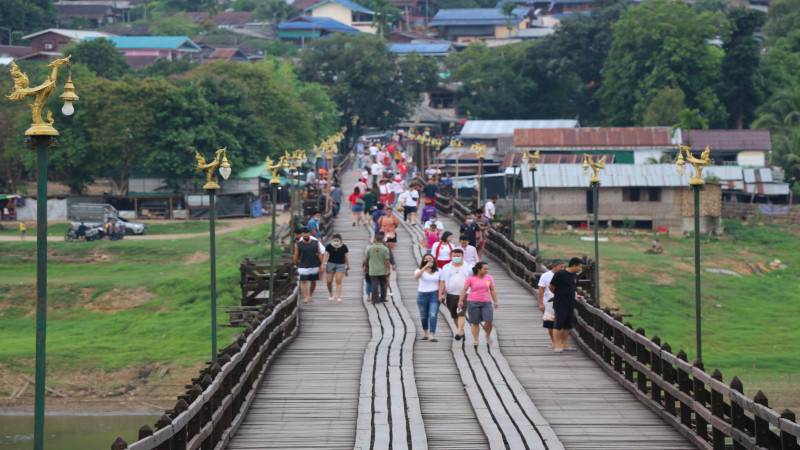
334 11
56 210
157 185
751 159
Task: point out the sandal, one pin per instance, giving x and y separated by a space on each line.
338 300
424 338
490 341
330 299
434 340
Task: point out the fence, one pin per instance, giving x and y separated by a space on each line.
708 412
787 214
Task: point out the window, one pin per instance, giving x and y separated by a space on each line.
48 45
654 194
631 194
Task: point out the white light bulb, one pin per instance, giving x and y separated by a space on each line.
225 172
67 110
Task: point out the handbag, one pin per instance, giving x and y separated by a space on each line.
400 208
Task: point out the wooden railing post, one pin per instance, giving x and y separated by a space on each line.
643 358
669 378
738 419
630 349
608 334
655 365
762 431
685 386
164 422
119 444
718 408
699 389
788 442
618 341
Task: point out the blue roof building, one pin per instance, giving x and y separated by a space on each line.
143 50
344 11
438 50
303 28
469 25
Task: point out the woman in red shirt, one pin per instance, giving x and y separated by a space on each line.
356 205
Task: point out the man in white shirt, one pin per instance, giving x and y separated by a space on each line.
470 252
545 305
490 209
433 221
377 171
453 276
373 150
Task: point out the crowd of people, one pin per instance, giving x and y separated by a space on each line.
451 272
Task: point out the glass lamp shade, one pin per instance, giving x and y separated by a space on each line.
681 169
586 168
68 109
225 168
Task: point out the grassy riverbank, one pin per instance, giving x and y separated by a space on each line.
749 323
121 304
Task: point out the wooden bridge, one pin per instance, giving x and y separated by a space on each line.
356 375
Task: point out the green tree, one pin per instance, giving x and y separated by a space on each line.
781 64
665 108
741 88
655 45
101 57
274 10
27 15
711 6
781 115
13 124
386 14
174 25
364 78
783 18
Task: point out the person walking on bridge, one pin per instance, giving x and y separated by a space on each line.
308 259
563 286
429 277
480 286
387 225
356 205
545 297
337 264
378 265
454 275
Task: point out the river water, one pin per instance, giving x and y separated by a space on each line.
72 432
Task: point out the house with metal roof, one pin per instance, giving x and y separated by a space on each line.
436 50
303 28
749 148
478 24
167 47
344 11
96 14
52 40
628 145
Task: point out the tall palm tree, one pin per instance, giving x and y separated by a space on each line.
781 115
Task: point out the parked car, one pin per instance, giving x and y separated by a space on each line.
128 226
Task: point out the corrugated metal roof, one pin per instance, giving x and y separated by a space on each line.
252 172
465 153
728 139
757 175
624 137
614 175
477 16
551 158
766 188
154 42
421 48
73 34
507 127
318 23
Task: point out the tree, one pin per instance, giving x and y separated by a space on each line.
364 78
27 15
12 143
665 108
656 45
386 14
741 87
783 18
781 115
781 64
174 25
101 56
275 10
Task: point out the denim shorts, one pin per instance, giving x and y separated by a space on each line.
357 208
480 312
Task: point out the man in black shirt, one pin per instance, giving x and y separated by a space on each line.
431 191
470 229
563 287
308 259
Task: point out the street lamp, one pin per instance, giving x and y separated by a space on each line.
513 195
297 160
275 183
697 185
595 183
438 144
480 149
41 135
530 161
212 186
457 144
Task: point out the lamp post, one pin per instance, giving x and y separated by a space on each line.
317 156
438 144
274 183
457 144
595 183
299 159
42 135
513 195
698 184
480 149
212 186
530 161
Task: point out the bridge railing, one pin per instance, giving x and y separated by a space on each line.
705 410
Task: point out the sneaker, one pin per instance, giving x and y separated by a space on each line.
459 337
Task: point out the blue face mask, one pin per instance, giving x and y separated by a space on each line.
433 220
457 259
336 243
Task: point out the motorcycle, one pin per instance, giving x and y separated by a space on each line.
95 234
72 234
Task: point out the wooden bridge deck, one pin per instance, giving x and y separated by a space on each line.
357 376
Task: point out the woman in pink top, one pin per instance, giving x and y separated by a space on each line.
479 302
430 237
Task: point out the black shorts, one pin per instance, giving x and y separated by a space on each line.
548 324
394 239
452 305
411 209
563 319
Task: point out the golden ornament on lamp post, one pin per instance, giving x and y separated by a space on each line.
698 184
480 150
41 136
275 183
594 181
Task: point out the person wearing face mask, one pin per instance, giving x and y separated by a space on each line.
428 275
454 275
470 229
433 220
307 258
479 307
337 264
428 211
442 250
